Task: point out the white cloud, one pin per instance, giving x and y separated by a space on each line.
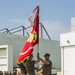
54 29
19 21
16 20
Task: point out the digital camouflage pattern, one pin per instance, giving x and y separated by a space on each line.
47 68
30 67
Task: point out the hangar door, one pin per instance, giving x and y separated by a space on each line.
69 60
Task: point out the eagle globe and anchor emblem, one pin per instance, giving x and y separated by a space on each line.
32 37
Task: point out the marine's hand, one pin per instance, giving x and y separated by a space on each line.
38 55
37 69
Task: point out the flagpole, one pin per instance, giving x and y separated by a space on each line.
38 46
37 55
35 29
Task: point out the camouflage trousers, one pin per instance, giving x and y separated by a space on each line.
31 73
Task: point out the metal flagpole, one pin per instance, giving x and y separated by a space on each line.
37 55
38 50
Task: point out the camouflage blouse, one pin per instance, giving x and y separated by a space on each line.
30 67
47 68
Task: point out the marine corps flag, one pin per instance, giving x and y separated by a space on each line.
33 38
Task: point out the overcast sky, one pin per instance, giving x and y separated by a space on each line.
55 15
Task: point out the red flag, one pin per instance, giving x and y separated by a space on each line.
33 37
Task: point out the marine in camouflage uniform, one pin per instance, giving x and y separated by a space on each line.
30 66
23 68
47 65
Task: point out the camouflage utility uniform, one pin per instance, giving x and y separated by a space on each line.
30 67
46 69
